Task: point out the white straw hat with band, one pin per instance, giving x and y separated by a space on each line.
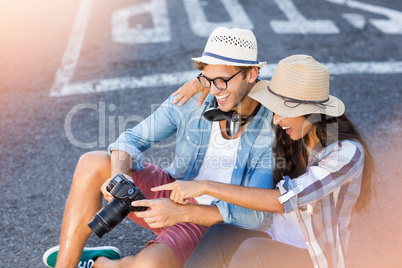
299 86
235 47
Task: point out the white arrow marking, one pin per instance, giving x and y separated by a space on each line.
391 26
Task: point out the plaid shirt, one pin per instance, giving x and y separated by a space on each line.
323 198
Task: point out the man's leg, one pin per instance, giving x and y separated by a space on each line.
84 201
174 244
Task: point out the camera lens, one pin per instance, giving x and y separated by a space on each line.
108 217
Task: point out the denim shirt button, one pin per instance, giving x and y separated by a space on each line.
188 137
240 148
235 167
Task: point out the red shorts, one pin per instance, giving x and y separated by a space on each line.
182 237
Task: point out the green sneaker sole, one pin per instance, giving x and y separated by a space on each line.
89 254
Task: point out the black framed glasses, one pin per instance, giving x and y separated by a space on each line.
219 82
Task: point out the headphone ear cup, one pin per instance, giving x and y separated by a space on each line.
233 123
213 113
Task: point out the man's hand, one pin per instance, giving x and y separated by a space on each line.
182 190
163 212
188 90
108 197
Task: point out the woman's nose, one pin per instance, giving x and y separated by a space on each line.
277 119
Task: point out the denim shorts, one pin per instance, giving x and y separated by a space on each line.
183 237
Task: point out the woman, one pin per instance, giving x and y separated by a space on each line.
324 173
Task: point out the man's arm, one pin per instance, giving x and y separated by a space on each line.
165 212
121 162
157 127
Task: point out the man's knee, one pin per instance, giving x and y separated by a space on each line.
95 164
95 160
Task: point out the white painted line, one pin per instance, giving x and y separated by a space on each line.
201 26
179 78
71 55
356 20
159 33
62 85
102 85
386 67
393 25
298 24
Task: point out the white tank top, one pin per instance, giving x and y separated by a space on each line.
286 229
219 161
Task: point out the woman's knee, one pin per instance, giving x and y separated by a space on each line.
247 254
221 231
253 244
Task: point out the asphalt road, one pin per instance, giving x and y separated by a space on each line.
74 74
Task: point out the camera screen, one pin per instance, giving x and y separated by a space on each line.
117 179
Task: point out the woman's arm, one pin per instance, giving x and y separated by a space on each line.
188 90
344 164
249 197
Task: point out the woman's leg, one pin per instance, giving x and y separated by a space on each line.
218 245
265 252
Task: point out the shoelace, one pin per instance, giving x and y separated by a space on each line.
85 264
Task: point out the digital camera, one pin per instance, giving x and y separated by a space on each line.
124 192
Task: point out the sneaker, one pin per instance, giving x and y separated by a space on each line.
88 256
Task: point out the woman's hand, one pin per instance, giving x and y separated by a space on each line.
188 90
182 190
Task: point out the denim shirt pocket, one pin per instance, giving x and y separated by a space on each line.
186 153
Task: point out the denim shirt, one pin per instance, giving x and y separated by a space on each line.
254 163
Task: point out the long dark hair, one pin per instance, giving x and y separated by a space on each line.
291 156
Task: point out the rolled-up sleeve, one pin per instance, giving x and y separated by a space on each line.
157 127
341 165
243 217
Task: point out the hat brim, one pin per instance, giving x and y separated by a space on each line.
260 93
215 61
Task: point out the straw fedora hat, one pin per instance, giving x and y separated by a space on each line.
299 86
235 47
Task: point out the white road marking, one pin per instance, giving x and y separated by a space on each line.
179 78
160 32
62 85
356 20
202 27
72 53
298 24
391 26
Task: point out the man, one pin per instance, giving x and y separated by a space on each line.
235 148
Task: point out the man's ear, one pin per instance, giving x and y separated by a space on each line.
252 74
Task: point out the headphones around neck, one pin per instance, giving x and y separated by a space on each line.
233 120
